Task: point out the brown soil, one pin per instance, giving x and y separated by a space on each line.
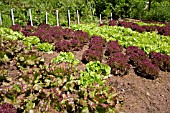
136 94
140 95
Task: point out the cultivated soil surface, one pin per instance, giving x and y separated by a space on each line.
136 94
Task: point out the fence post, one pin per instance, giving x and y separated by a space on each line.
12 16
111 17
57 17
46 18
30 17
100 19
0 19
68 18
78 19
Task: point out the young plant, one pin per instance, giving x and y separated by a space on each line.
31 41
76 45
64 46
118 64
91 55
7 108
46 47
147 69
16 27
161 60
113 47
66 57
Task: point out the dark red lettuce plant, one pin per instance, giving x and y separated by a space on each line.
91 55
63 45
113 47
76 45
119 64
97 40
16 27
7 108
147 69
161 60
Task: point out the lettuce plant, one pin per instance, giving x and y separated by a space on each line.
66 57
113 47
136 55
9 34
63 45
98 68
16 27
96 98
91 55
97 40
119 64
147 69
113 23
31 41
82 36
46 47
97 47
161 60
7 108
68 33
76 45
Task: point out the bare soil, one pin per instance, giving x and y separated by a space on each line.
141 95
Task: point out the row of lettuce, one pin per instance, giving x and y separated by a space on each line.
29 83
162 29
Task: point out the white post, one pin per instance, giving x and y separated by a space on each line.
57 17
68 18
0 19
78 20
100 19
111 16
46 18
30 17
12 16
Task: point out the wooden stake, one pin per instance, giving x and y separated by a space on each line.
68 18
46 18
111 16
100 19
57 17
30 17
12 16
0 19
78 20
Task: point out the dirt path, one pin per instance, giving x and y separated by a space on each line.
140 95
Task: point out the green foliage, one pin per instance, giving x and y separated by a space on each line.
66 57
158 11
46 47
31 41
89 10
149 24
98 68
95 73
92 84
9 34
